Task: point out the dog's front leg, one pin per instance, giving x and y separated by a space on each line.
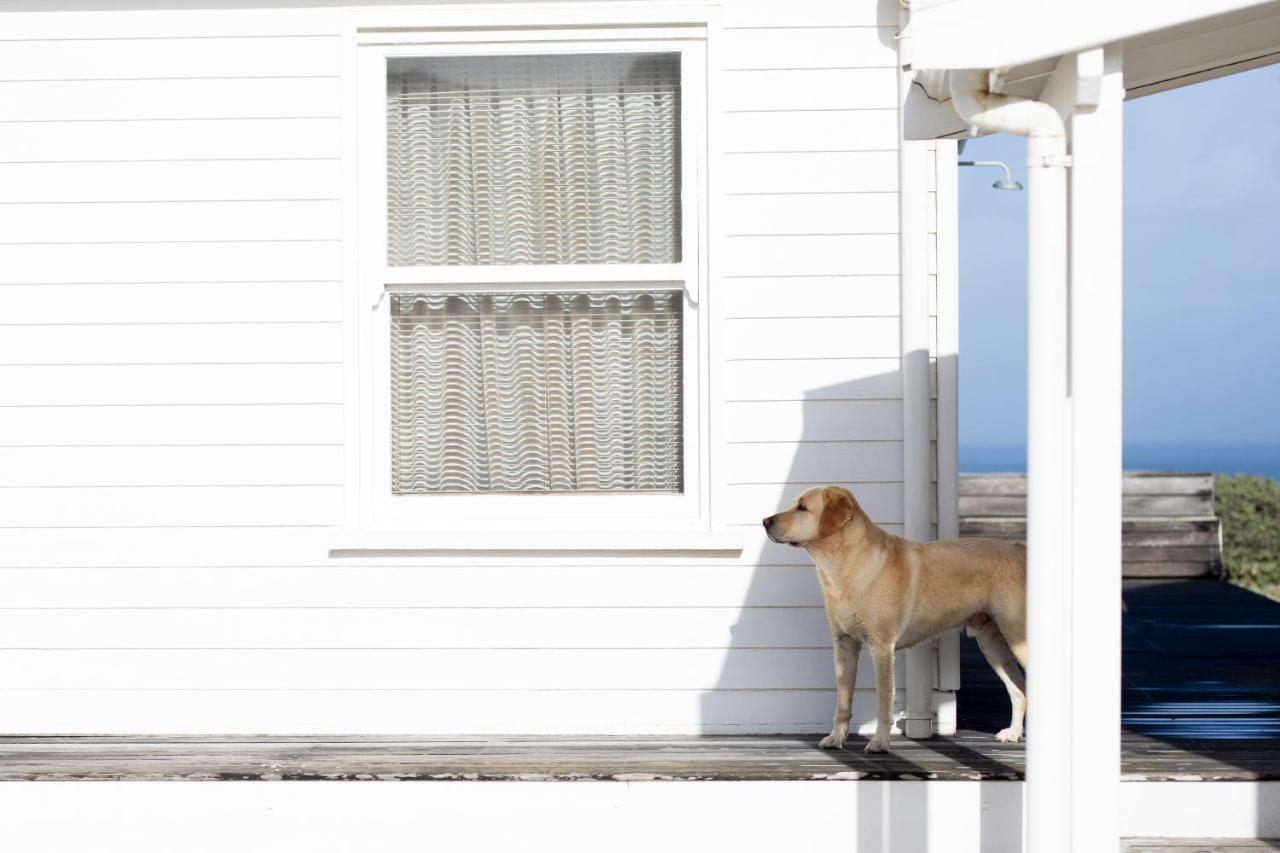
846 652
883 657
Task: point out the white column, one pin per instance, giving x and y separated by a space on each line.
1074 473
913 242
1096 467
948 413
1048 504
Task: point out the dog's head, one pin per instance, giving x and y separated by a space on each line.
818 513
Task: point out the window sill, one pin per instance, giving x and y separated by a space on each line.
397 544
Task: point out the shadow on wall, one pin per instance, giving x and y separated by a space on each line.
778 674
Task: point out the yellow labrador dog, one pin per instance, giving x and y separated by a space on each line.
890 593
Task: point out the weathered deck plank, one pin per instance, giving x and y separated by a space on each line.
967 756
561 758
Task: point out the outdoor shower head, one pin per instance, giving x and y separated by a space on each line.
1005 183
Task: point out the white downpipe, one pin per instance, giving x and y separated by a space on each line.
1049 638
913 259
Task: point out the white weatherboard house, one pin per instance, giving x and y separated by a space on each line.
392 369
426 369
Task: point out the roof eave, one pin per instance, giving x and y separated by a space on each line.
1007 33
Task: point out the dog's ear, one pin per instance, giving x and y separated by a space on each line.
837 511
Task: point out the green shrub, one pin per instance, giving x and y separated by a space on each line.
1250 511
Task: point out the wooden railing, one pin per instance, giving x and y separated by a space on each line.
1170 528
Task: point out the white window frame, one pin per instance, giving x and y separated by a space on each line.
377 518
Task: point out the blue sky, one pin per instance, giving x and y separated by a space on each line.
1202 272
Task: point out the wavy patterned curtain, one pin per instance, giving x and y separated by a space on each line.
536 392
548 159
553 159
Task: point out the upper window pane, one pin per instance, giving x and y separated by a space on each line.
554 159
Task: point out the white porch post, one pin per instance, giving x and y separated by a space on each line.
1048 509
1074 474
913 237
1096 467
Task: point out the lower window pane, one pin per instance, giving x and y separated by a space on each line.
536 392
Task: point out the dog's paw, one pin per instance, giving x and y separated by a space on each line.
835 740
1009 735
878 743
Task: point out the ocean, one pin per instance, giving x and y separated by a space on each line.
1259 460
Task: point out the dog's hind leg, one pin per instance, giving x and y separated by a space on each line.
1001 657
1009 609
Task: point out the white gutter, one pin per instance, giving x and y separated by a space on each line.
917 472
1048 450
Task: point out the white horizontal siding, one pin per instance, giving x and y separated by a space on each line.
321 712
105 426
812 337
810 171
170 222
421 628
142 58
812 379
869 130
201 98
174 465
171 382
237 179
768 14
813 254
193 343
832 213
478 584
161 140
797 463
57 263
188 505
170 302
810 89
122 27
827 47
815 461
814 420
437 670
810 296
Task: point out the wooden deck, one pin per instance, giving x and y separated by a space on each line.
739 758
1201 702
1201 692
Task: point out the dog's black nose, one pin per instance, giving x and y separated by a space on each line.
767 522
